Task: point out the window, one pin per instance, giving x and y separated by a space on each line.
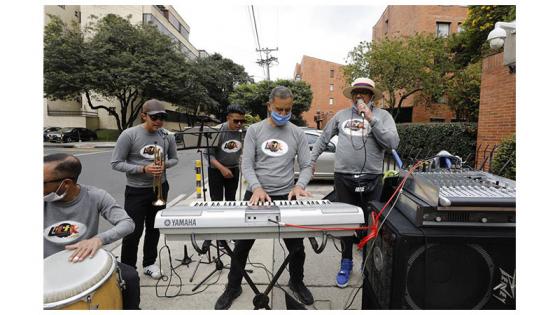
433 119
442 29
184 32
331 101
174 21
459 27
332 73
298 77
331 87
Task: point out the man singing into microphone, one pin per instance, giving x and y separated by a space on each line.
364 134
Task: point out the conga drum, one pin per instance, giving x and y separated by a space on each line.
93 283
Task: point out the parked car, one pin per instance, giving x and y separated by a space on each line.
71 134
325 163
46 131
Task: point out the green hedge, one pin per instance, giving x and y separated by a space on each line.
430 138
505 153
107 134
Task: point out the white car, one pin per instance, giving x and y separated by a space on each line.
325 163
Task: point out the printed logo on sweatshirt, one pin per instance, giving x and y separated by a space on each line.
274 147
356 127
64 232
148 151
231 146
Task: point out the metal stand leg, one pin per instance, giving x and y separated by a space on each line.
261 300
219 265
186 258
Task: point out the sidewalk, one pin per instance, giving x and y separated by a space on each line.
320 273
80 145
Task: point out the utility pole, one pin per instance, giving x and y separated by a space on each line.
268 60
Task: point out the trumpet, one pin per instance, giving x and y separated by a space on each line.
157 183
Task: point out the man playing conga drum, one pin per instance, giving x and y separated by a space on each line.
71 218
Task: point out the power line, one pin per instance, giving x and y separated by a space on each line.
269 59
266 62
253 24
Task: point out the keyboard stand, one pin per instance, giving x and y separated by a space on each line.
261 300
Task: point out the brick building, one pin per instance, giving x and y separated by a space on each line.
327 82
496 117
408 20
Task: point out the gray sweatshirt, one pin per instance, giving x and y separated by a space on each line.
67 223
379 134
227 146
268 157
135 148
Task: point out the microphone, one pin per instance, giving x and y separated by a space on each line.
361 102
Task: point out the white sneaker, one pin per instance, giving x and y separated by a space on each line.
153 271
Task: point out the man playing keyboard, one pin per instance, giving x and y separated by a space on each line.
270 148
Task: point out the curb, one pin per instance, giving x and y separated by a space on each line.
79 145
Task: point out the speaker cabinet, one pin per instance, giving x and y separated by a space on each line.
439 267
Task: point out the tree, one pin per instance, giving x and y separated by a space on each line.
402 67
470 45
254 97
219 76
464 92
116 60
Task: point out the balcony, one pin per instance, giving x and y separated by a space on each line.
74 113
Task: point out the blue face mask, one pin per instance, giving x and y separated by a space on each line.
280 120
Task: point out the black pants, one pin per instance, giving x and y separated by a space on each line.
131 292
138 206
219 185
242 248
359 192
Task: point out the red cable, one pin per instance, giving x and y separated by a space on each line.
323 228
375 219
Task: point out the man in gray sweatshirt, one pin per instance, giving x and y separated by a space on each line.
134 155
269 151
71 219
364 134
223 171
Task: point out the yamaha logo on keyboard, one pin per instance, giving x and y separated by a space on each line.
180 222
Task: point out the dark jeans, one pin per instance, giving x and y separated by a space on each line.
345 188
242 248
131 292
138 206
219 185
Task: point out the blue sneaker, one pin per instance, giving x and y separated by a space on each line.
343 275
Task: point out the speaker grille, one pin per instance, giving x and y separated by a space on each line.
449 276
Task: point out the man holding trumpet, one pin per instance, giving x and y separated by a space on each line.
146 184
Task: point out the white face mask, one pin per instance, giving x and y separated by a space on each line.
53 196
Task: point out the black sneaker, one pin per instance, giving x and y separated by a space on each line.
302 292
225 300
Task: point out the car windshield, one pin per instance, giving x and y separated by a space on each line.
66 129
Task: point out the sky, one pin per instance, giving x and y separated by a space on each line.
327 32
537 120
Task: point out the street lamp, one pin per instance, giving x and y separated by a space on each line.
497 36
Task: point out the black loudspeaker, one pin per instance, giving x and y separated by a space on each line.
439 267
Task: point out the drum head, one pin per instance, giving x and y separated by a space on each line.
64 281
